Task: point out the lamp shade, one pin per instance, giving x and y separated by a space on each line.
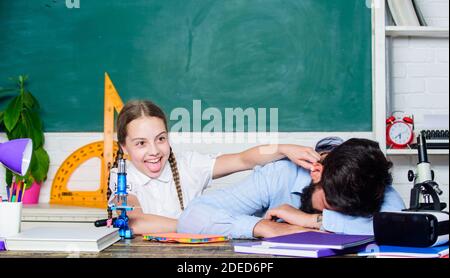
16 155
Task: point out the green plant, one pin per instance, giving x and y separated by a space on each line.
21 119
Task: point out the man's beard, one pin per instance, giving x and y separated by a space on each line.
306 199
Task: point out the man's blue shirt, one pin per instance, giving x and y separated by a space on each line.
236 209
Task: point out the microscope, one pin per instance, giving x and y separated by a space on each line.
424 224
424 184
121 196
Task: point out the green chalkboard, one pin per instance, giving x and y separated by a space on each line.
311 59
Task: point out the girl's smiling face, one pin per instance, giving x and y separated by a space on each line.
147 145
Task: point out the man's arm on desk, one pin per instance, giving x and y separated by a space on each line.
142 223
230 210
207 219
268 228
204 217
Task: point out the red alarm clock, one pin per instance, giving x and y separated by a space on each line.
399 131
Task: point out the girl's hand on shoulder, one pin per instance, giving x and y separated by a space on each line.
301 155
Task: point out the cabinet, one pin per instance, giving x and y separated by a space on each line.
383 32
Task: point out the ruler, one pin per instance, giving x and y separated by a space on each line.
104 150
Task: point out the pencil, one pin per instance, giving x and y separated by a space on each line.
9 189
13 198
19 191
23 191
11 192
16 194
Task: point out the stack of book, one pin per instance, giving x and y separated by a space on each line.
63 239
306 244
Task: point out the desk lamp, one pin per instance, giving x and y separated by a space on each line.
16 155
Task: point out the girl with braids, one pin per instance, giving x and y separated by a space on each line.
161 183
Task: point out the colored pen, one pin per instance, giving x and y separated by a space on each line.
10 193
11 187
13 193
19 191
23 191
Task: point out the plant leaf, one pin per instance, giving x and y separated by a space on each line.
38 138
18 178
42 163
12 113
33 132
8 177
19 131
28 181
22 79
33 165
30 101
35 120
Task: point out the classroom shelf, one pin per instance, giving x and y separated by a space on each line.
414 31
414 152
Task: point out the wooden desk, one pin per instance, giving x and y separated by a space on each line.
138 248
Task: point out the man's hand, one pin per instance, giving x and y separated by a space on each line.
267 228
295 216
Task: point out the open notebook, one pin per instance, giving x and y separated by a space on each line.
63 239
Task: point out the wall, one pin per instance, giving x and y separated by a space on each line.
61 145
419 86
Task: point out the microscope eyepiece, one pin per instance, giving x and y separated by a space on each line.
422 148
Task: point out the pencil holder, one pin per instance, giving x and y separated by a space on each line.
31 195
10 218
